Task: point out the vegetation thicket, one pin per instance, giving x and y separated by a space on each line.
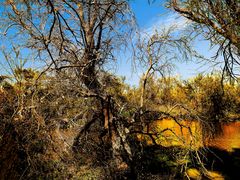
76 120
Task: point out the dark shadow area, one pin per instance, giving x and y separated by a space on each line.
227 163
156 162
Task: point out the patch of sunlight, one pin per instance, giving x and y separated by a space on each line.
214 175
170 133
193 174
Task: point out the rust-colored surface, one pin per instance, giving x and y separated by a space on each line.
171 134
229 139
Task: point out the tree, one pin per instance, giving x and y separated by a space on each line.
79 38
157 52
218 21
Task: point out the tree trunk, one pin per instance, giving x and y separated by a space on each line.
117 134
115 131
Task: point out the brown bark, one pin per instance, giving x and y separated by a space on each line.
117 134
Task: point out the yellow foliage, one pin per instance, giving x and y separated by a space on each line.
193 174
214 175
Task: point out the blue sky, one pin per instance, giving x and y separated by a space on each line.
156 16
150 17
